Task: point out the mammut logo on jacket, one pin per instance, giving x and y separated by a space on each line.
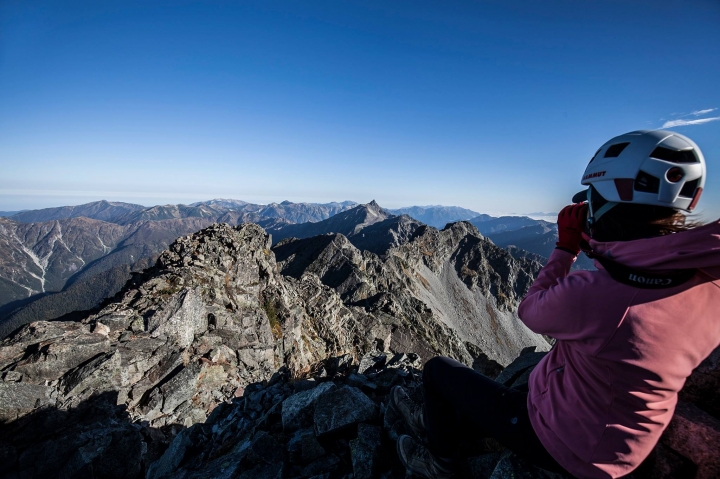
644 280
597 174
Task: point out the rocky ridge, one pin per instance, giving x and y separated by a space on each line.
74 248
189 370
215 314
82 254
337 423
75 254
349 223
453 277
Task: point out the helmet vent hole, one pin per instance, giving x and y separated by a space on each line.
647 183
674 156
688 189
615 150
674 174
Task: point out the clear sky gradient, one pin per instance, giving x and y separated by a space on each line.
490 105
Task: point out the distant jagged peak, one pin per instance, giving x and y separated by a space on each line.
374 208
463 227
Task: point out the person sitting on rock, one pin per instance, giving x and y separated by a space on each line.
627 335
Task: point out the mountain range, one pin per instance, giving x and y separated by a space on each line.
126 213
77 256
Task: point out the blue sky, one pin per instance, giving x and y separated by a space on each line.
495 106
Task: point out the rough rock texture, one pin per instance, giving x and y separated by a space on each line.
438 282
221 355
342 409
215 314
248 436
88 251
245 436
86 259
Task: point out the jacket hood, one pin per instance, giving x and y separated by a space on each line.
698 248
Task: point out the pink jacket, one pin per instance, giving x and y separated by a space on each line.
602 397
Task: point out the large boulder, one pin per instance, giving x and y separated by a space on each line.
341 409
298 410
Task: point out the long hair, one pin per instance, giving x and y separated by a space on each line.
630 221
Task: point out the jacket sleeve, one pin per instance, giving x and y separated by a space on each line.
553 304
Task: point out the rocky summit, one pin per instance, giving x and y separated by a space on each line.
231 358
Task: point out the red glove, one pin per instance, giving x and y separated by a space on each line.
571 224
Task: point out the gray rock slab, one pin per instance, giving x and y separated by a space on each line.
180 388
341 409
182 321
311 449
116 321
371 361
53 360
175 453
304 384
18 399
360 381
294 445
113 454
298 409
100 374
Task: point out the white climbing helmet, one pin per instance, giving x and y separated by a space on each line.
649 167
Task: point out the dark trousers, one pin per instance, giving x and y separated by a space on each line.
461 403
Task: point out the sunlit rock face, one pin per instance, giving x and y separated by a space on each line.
221 310
216 313
230 356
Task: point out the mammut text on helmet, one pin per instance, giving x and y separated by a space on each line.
597 174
